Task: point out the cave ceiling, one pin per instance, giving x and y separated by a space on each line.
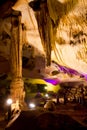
67 20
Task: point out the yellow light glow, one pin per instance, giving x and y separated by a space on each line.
45 87
53 88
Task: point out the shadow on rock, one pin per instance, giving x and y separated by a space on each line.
44 121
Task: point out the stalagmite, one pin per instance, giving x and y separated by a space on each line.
17 84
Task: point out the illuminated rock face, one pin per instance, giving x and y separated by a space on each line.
71 38
67 32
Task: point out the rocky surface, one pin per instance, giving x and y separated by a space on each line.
68 117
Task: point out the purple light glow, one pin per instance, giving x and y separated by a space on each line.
66 69
84 76
52 81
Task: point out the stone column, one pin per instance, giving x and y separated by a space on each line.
17 84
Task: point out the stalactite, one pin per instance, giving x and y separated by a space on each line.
45 27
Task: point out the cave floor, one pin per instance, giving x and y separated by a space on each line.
77 112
